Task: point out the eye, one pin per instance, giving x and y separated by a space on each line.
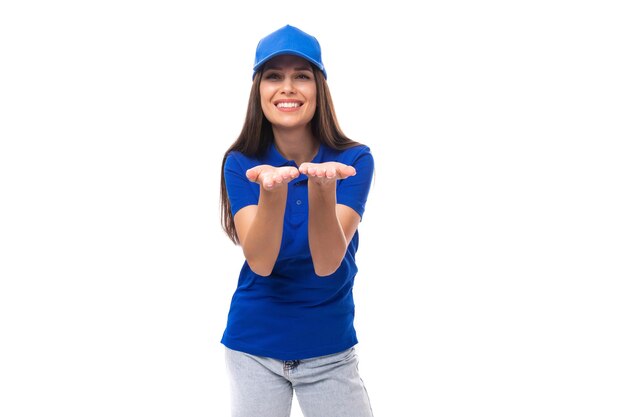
272 76
303 76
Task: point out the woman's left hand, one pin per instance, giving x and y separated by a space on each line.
326 172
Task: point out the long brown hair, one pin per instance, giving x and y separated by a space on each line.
256 136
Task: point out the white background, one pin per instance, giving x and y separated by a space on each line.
492 259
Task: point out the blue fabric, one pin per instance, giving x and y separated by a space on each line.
293 313
288 40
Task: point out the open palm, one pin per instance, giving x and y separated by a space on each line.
326 172
271 178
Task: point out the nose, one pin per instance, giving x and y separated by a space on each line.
287 86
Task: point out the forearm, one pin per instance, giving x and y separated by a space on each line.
327 241
264 237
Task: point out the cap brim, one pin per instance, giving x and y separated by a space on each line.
288 52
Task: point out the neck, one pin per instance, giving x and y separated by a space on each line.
299 146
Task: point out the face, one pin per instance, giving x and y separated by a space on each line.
288 92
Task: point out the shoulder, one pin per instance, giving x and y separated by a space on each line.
236 156
236 159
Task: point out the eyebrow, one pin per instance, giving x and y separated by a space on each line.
274 67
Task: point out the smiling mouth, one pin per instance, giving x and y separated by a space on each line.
288 105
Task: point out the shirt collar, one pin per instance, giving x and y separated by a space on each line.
274 158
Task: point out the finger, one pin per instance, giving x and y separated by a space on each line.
268 183
304 168
347 171
291 173
252 174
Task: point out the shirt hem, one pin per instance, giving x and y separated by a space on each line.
295 355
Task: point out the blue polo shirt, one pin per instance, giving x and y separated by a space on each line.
294 313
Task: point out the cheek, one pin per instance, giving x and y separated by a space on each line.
266 90
312 97
313 103
264 94
264 105
266 98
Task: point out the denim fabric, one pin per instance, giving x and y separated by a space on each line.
326 386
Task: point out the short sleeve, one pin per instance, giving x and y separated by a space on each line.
353 191
241 191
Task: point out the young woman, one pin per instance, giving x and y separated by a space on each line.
293 192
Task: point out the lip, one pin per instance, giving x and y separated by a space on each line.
288 109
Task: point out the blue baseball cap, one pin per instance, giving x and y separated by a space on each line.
288 40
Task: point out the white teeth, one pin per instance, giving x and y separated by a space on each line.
288 105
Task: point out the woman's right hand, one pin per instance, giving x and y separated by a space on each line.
272 178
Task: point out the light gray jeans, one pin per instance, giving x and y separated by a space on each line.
326 386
